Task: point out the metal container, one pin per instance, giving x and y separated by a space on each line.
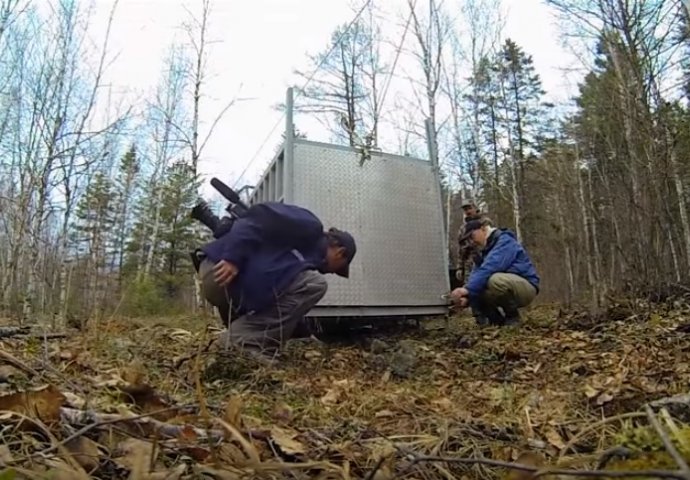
391 204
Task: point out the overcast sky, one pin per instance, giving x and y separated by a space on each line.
258 44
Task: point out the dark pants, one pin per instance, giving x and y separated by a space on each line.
267 331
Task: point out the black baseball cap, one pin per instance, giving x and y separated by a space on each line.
346 241
470 227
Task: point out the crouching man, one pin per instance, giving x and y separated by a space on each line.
504 277
268 271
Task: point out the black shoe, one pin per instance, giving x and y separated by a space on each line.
496 318
482 320
512 317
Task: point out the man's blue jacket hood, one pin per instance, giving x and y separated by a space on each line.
503 253
270 246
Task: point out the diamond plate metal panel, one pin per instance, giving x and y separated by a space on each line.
391 206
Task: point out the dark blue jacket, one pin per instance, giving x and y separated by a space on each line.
503 253
270 245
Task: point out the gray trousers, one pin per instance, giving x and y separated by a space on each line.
267 331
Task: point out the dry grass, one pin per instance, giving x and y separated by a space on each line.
338 410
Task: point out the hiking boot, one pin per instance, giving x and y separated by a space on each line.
482 321
512 317
496 318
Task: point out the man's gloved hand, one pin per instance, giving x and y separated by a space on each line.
225 272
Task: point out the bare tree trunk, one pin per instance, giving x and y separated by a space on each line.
153 239
517 214
600 285
589 260
630 110
430 41
682 206
567 254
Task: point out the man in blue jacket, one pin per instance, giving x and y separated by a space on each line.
504 276
268 269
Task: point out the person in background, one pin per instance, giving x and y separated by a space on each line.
269 270
467 250
504 278
468 254
470 210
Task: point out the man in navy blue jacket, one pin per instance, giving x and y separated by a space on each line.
268 269
504 276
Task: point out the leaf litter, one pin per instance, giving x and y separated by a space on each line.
561 387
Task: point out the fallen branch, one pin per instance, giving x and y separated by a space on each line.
25 332
162 429
12 331
15 362
538 472
594 426
97 420
43 336
668 444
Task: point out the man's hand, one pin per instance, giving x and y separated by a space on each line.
225 272
459 297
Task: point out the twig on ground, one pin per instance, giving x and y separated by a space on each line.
42 336
55 445
372 472
610 454
248 448
111 419
594 426
668 444
537 472
15 362
203 349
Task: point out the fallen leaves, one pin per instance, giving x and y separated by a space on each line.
286 441
493 390
339 389
85 451
554 438
135 455
43 404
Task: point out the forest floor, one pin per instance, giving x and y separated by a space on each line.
141 399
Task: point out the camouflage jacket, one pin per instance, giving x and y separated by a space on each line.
468 252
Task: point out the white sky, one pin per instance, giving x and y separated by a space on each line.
258 44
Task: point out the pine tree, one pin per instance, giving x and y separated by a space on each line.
92 234
522 96
483 105
125 190
138 244
94 216
179 236
522 110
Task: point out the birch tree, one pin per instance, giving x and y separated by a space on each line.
345 91
431 32
166 114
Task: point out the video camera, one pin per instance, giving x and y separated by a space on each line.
220 226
